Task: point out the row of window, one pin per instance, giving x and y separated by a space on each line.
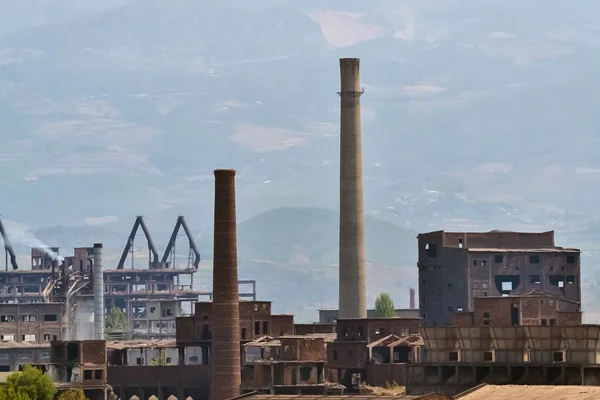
488 356
533 259
24 355
29 318
27 338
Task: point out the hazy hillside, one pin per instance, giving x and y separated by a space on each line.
477 114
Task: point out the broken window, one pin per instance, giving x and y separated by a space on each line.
28 318
534 259
7 318
535 279
305 373
557 280
423 281
570 259
257 327
360 331
552 321
485 294
544 322
98 373
46 337
507 283
87 374
459 309
335 355
558 356
431 250
460 243
483 263
488 356
453 356
498 259
570 279
266 327
424 299
243 333
484 285
486 314
475 263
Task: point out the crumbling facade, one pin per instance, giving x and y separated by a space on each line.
79 365
362 346
534 308
30 322
455 268
286 365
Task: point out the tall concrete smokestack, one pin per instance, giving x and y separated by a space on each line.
98 293
412 303
225 378
353 299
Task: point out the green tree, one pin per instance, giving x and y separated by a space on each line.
161 360
31 383
116 321
11 394
384 306
72 394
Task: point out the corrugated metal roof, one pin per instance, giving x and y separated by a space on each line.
325 397
537 392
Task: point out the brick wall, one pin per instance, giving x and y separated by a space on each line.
282 325
463 319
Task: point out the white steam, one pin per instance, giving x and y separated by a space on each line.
20 234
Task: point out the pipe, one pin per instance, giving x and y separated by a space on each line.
98 293
352 275
225 373
412 303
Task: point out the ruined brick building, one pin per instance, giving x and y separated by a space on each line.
455 268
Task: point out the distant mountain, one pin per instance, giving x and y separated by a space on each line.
472 118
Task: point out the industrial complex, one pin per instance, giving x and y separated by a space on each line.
495 315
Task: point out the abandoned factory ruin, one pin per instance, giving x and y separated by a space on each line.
489 308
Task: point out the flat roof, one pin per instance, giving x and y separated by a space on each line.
532 392
378 319
323 397
510 250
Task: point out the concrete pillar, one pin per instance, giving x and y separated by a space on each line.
225 358
98 293
352 290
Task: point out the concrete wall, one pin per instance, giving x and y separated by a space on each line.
456 268
36 322
331 316
382 374
12 358
81 325
370 330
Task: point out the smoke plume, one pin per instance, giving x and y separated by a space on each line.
23 235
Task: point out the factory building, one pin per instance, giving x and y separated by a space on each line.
456 268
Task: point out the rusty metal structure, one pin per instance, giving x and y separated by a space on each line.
225 361
151 298
9 252
352 289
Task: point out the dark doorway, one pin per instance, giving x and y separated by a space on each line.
514 315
